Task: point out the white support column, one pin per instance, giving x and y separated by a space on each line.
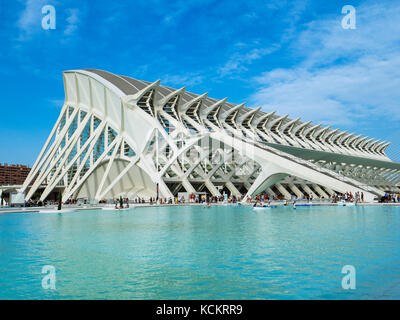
177 187
308 190
92 168
188 145
149 167
296 190
231 187
74 140
46 160
320 191
267 177
91 133
228 183
183 177
271 192
282 190
210 186
53 184
51 156
92 141
118 178
110 162
329 190
33 171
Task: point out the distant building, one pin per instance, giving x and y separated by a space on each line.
14 174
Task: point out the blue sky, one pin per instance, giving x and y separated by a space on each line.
289 56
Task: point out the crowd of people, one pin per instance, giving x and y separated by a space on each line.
121 203
390 198
39 203
192 198
358 197
267 198
264 198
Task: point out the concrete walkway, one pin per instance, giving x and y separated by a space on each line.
68 208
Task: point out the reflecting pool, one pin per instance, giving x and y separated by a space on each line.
193 252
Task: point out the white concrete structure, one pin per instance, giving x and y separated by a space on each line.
120 136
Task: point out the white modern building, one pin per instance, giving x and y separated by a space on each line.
119 136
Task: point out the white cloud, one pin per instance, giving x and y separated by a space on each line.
72 20
191 79
175 10
238 62
30 18
55 103
346 77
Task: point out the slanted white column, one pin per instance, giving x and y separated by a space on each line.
270 192
233 189
247 185
207 178
320 191
210 186
308 190
329 190
268 176
296 190
108 168
284 192
188 187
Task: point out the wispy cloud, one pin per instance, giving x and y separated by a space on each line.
55 103
239 61
345 77
29 21
289 56
340 95
257 49
176 9
190 79
72 21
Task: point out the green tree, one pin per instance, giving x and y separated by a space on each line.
121 202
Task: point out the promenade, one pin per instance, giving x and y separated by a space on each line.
73 208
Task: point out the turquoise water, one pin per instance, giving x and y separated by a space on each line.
198 253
